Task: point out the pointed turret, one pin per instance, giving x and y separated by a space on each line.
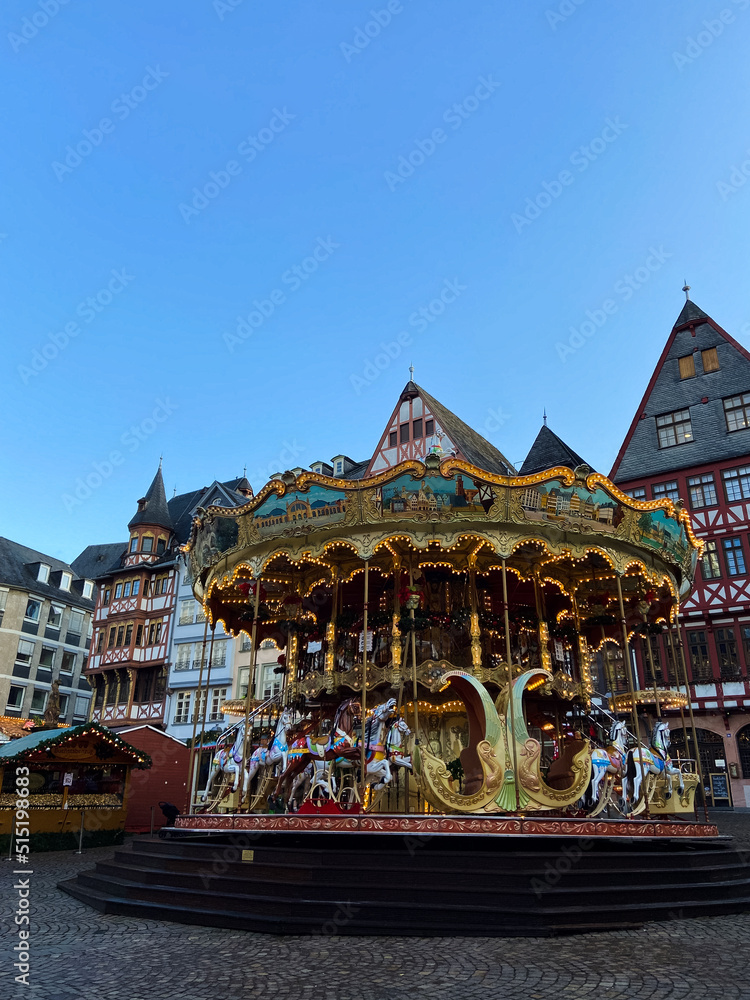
694 409
153 509
420 424
548 451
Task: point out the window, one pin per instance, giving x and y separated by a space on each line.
339 467
139 635
429 427
710 360
200 614
120 635
134 543
182 708
118 591
75 622
81 707
64 699
200 705
699 661
674 428
158 631
38 701
128 635
160 546
637 493
164 584
112 635
737 483
65 581
745 630
3 599
710 562
184 654
55 616
663 491
43 573
147 545
218 697
392 439
404 433
100 641
15 699
687 366
88 589
737 412
136 587
734 555
186 612
47 657
417 429
726 645
25 651
33 608
219 658
702 490
107 596
126 589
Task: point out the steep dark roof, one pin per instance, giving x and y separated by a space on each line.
15 571
182 507
357 471
155 510
640 456
547 451
99 560
477 449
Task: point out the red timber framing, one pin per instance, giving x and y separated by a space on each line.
702 369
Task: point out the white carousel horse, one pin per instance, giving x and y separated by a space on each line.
610 761
274 755
227 761
656 760
395 741
377 767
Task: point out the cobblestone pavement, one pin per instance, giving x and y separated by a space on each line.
80 954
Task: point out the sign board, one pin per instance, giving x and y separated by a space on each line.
720 786
67 779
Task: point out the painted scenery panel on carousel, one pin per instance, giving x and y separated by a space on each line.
571 506
409 497
316 506
659 531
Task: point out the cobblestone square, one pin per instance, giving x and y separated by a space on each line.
80 954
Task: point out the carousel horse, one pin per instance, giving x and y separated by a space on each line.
377 766
610 761
339 743
395 740
656 760
274 755
227 761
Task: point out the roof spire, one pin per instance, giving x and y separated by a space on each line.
161 459
544 415
686 290
411 372
244 472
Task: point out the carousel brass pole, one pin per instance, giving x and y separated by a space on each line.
631 687
363 748
511 709
250 690
208 682
609 672
415 696
650 657
698 764
191 776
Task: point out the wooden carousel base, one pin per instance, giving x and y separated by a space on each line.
420 875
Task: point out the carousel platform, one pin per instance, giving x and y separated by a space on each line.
420 875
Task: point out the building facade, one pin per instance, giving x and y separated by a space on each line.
690 441
45 633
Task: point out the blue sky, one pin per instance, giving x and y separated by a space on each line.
215 214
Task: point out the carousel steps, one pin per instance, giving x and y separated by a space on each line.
381 889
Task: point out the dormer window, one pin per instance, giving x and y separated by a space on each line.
42 575
88 588
339 467
65 581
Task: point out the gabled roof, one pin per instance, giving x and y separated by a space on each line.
16 562
640 456
98 560
153 509
182 507
547 451
464 442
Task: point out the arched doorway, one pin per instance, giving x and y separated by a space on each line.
743 745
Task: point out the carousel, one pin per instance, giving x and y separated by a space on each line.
458 744
452 643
